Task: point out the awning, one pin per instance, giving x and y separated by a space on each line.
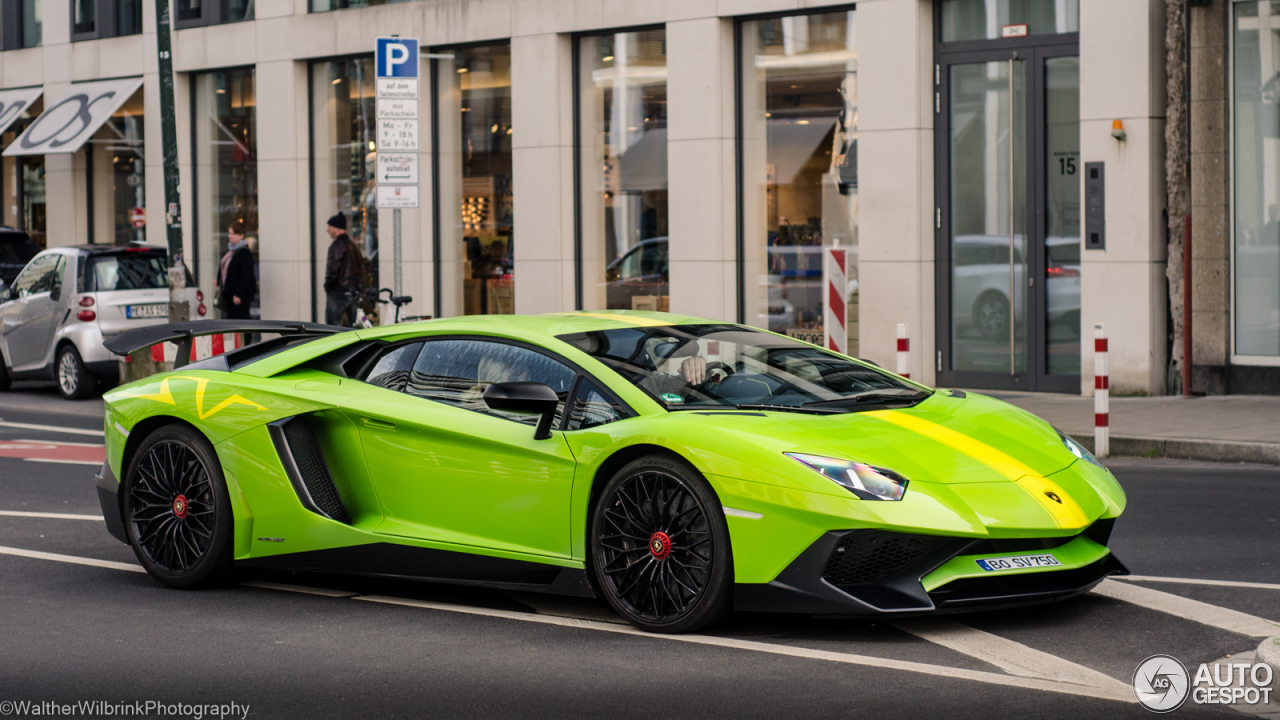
67 124
13 102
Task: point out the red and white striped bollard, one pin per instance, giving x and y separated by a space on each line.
1101 394
904 351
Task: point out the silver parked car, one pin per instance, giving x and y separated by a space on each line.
66 301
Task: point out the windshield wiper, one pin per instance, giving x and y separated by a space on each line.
888 394
790 408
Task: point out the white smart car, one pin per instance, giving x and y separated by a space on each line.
67 300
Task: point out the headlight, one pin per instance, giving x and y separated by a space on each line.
1078 450
864 481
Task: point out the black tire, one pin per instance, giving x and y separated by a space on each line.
991 315
5 382
75 382
660 551
176 510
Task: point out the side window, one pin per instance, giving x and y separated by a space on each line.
392 369
37 274
456 372
591 408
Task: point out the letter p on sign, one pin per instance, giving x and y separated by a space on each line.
397 57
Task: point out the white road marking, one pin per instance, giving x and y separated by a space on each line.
36 554
51 516
61 442
1105 693
1186 608
324 592
51 428
94 463
1124 694
1012 657
1197 581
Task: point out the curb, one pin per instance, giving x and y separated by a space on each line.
1211 450
1269 652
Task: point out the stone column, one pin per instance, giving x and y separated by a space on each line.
542 182
700 168
1210 209
1122 59
895 182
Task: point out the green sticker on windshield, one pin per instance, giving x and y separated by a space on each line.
671 398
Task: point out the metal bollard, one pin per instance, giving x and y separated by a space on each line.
904 351
1101 394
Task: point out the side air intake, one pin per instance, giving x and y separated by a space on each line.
303 460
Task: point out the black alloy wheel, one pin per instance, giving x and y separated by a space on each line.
177 509
661 547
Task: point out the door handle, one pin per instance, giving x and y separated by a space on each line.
377 424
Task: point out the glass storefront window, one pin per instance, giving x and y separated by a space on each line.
799 165
128 17
327 5
1062 169
32 12
344 146
84 16
623 126
226 169
118 167
23 185
475 176
985 19
1256 158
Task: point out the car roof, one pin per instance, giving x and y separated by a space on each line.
109 249
549 324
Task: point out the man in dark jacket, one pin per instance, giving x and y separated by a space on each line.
343 275
236 282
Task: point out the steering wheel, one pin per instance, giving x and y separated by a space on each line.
709 381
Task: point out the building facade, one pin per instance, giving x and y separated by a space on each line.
698 156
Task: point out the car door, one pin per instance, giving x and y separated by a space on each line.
447 468
28 322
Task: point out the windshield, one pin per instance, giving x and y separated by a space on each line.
701 366
127 271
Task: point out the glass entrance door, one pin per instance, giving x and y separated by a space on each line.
1008 145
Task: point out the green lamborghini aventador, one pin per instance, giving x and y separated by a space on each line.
677 467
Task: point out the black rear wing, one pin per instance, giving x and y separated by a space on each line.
184 333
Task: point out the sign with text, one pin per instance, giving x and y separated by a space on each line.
397 57
398 109
397 88
397 168
397 196
397 135
68 122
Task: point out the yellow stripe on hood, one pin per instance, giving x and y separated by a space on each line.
1067 515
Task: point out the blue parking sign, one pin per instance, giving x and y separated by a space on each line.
397 57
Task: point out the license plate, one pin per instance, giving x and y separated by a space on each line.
1018 562
146 311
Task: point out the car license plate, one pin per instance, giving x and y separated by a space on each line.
1018 562
146 311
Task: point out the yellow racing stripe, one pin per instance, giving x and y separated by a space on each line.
1067 515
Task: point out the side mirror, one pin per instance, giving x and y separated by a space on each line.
525 398
55 292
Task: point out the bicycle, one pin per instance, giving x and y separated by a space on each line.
399 301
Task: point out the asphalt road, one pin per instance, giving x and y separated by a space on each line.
313 646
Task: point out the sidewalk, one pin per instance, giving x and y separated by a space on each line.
1224 428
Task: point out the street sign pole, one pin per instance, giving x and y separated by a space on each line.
399 276
178 310
397 142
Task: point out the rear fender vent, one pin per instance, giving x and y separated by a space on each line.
304 462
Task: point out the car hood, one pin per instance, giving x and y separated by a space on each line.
992 464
